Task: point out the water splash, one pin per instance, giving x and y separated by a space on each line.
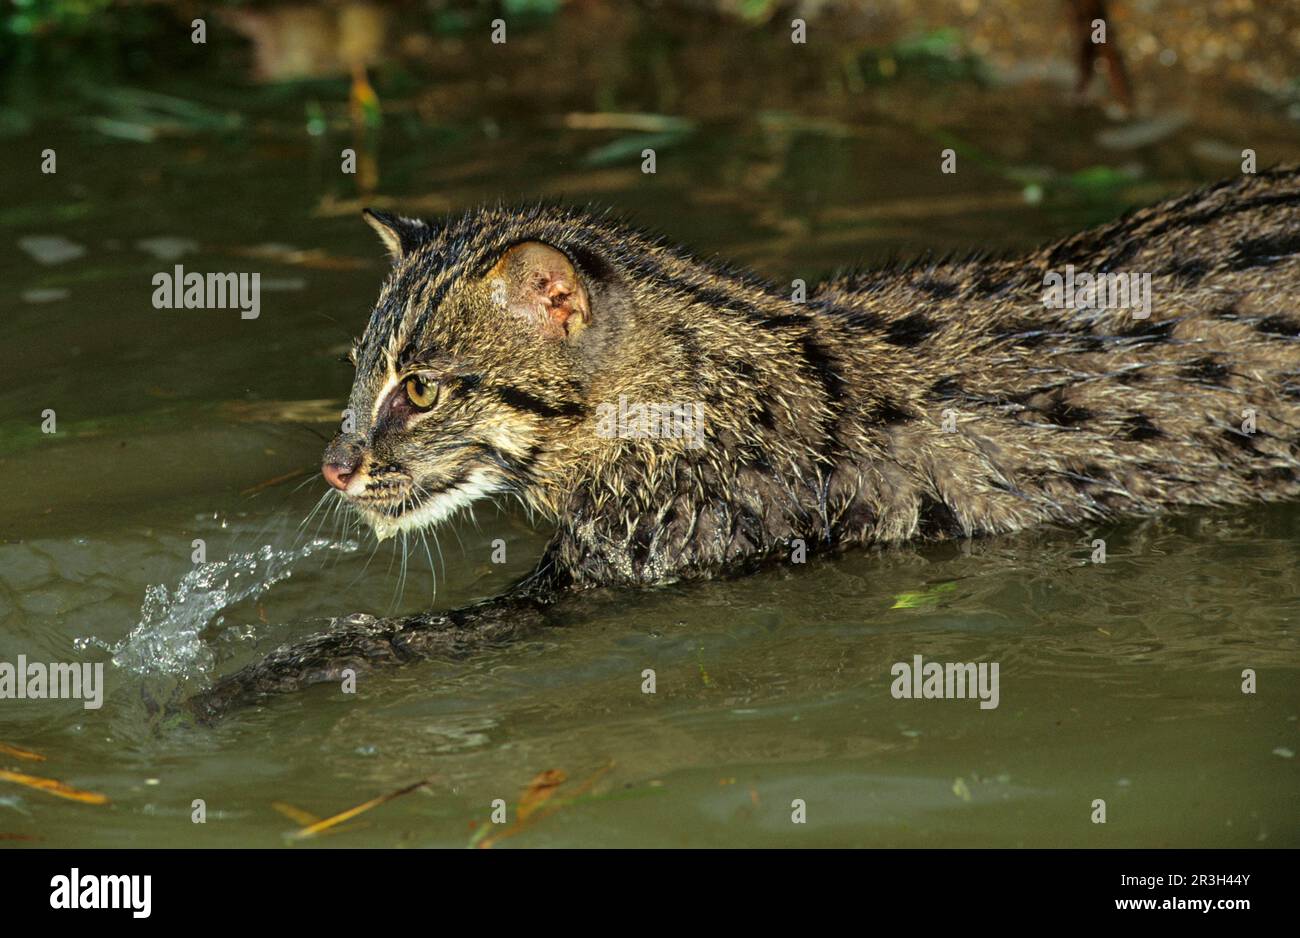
168 639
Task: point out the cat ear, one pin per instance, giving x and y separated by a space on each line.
400 235
539 284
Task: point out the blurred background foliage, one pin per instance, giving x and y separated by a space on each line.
1254 42
796 138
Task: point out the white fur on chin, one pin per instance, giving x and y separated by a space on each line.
436 509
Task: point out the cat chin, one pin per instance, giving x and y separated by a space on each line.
436 509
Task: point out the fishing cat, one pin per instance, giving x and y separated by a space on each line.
940 399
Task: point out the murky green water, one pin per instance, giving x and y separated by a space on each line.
1119 682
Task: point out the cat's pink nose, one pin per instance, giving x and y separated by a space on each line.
337 475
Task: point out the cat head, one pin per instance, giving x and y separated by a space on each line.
476 373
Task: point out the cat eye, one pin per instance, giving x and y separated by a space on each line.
420 393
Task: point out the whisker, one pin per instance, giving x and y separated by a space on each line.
401 570
433 595
311 514
374 550
312 477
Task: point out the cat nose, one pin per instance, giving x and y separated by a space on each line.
342 459
338 475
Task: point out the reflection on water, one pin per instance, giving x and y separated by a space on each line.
1119 681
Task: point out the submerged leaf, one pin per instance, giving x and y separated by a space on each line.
295 814
310 411
54 787
306 818
51 249
21 753
929 596
626 120
629 148
537 802
539 791
311 258
312 830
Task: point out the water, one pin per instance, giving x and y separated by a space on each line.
1119 681
169 636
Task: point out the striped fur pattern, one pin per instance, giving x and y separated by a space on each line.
929 401
935 400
